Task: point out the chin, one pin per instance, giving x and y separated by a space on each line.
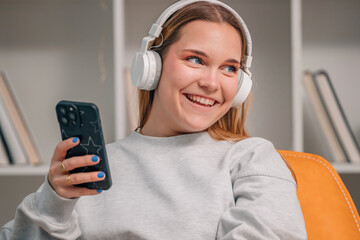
197 127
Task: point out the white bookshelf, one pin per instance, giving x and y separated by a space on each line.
55 50
331 41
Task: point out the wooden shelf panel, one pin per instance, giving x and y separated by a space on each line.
346 168
24 170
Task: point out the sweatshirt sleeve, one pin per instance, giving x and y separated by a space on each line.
266 204
43 215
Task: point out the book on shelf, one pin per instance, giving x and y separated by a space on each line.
11 137
336 116
4 160
5 155
330 138
17 135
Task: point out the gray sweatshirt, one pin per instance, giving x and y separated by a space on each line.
183 187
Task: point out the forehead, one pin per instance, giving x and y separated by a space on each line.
211 37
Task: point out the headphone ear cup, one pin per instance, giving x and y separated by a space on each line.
155 69
244 88
146 70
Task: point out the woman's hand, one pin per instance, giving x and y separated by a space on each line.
62 181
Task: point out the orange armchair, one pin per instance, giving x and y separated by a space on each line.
328 209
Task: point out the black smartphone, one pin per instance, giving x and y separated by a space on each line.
82 120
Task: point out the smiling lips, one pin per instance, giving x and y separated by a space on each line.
201 100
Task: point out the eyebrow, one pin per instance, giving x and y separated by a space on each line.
201 53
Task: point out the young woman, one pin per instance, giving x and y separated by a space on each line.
190 171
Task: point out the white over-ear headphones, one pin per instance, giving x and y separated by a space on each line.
146 65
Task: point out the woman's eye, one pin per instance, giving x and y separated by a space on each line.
230 69
194 60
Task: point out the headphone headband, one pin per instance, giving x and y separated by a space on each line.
156 28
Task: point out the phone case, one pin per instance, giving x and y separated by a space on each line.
82 120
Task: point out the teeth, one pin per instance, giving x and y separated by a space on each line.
205 101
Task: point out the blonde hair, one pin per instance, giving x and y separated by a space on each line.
232 125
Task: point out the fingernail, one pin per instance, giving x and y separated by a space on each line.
75 139
99 191
94 158
101 174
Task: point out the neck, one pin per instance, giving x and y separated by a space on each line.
156 129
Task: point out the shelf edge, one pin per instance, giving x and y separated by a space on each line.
346 168
24 170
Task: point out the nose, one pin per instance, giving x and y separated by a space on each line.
209 80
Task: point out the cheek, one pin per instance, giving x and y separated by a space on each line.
229 88
169 82
175 75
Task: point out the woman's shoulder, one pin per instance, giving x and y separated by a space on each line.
245 146
252 142
251 145
257 156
